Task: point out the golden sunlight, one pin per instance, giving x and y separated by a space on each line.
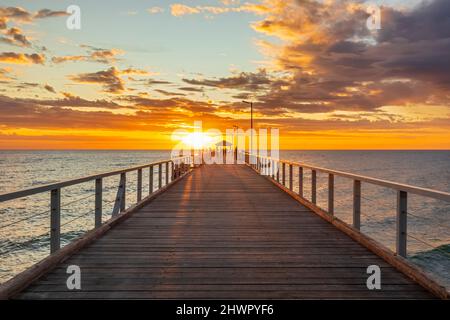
197 140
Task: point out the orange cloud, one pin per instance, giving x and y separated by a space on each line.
22 58
179 10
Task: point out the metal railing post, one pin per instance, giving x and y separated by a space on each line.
273 168
55 220
150 180
300 181
402 212
160 176
357 204
278 171
167 174
98 202
139 185
291 185
123 200
314 186
330 194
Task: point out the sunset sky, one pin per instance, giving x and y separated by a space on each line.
138 70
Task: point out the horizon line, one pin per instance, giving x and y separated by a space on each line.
288 149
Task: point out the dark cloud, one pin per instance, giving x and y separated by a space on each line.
175 103
168 93
156 82
47 13
242 81
49 88
109 79
336 63
191 89
106 56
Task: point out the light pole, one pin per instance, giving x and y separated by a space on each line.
251 122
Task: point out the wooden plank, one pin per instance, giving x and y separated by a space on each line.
224 232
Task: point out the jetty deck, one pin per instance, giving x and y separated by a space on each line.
224 232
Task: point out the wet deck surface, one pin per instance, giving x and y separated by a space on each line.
224 232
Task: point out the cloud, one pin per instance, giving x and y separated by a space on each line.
152 82
109 79
49 88
191 89
179 10
73 112
155 10
14 36
167 93
241 81
336 63
15 13
21 14
135 71
22 58
5 74
47 13
98 55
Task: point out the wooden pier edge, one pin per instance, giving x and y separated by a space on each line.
401 264
21 281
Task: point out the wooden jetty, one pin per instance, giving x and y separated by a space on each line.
223 232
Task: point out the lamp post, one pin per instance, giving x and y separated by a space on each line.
251 122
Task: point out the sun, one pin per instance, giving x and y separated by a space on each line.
197 140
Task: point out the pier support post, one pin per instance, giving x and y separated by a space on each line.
55 220
98 202
357 204
402 211
331 194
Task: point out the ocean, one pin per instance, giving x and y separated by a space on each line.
24 223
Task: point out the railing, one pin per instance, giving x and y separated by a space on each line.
271 167
175 167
